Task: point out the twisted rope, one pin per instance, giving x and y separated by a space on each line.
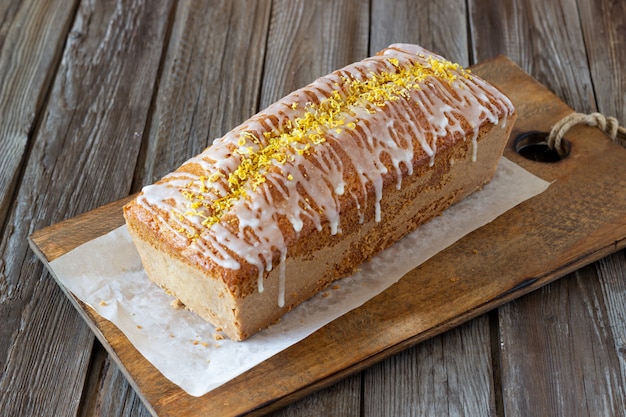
608 125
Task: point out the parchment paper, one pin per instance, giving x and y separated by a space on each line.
106 273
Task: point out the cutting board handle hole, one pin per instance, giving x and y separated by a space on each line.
534 146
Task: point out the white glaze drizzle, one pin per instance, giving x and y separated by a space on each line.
311 187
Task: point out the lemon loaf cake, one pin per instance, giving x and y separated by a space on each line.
306 190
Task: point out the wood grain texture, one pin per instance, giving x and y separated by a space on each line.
96 105
543 37
49 364
439 26
604 24
525 252
604 30
450 374
579 375
46 336
107 392
422 379
561 333
210 81
341 399
31 39
309 39
611 272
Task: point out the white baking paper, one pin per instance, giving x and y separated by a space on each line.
106 273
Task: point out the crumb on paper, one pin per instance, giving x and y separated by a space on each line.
326 294
103 303
177 304
139 326
336 286
218 336
197 342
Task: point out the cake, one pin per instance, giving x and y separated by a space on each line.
308 189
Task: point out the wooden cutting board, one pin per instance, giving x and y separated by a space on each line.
579 219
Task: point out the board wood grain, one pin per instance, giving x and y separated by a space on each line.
526 248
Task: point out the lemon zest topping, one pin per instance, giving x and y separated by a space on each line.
301 135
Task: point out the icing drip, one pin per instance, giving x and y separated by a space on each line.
293 160
281 279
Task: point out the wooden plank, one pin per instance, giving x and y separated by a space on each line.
562 333
34 359
424 380
447 375
309 39
543 38
603 30
527 247
341 399
97 103
611 272
573 364
602 24
105 377
439 26
210 82
31 39
201 65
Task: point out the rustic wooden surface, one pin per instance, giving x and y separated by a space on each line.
97 99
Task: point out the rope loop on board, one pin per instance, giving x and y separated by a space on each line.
608 125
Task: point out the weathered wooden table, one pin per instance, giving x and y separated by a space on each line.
99 98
